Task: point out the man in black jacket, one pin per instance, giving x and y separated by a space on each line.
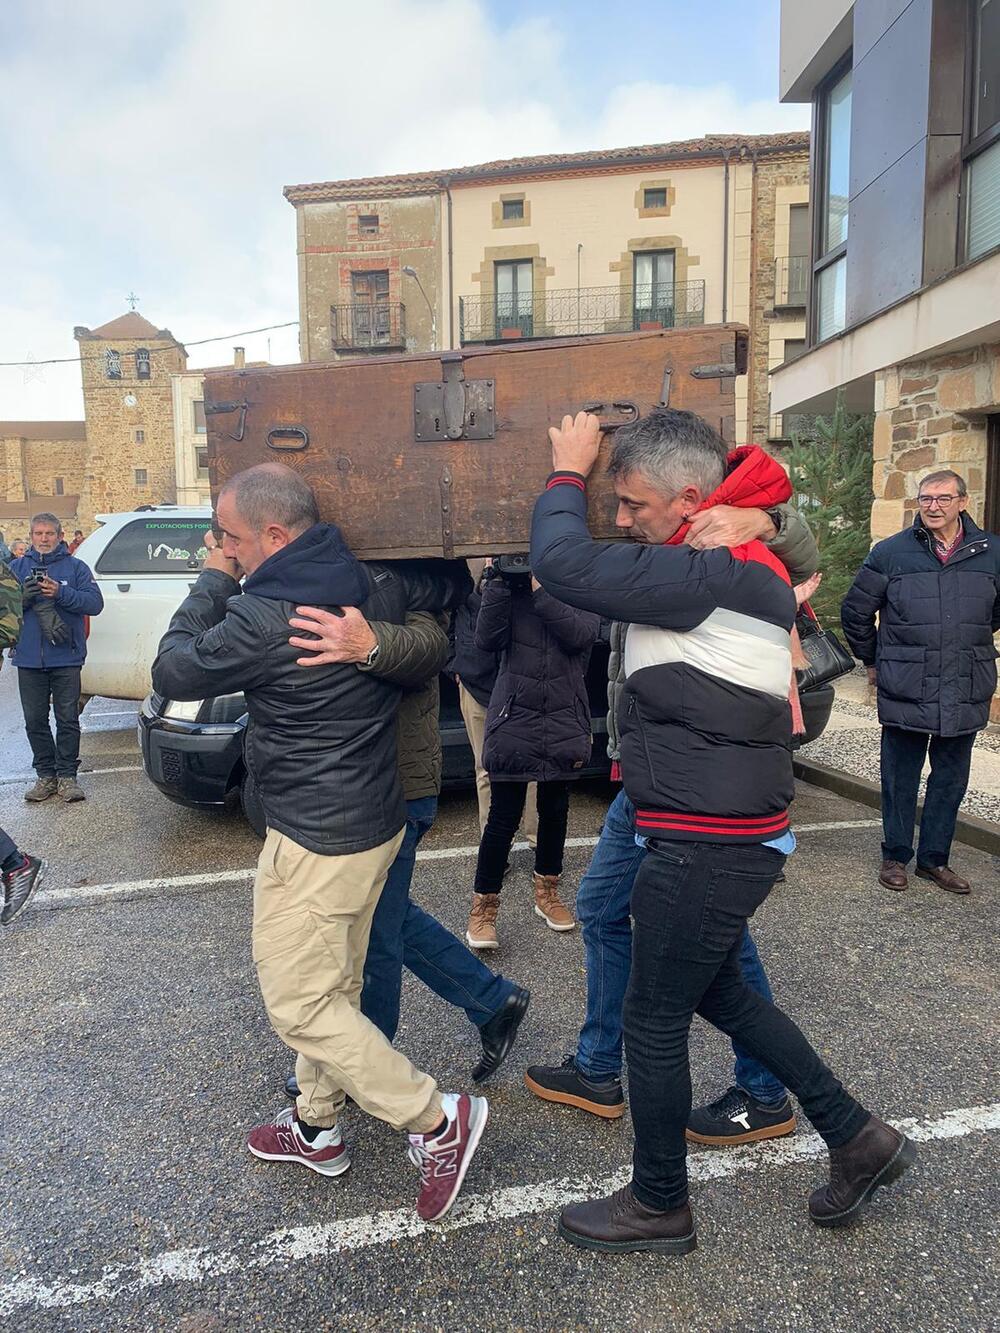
705 736
321 746
935 589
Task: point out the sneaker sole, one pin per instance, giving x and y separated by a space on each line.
614 1112
481 944
70 800
905 1156
666 1245
781 1131
477 1123
551 924
38 879
335 1169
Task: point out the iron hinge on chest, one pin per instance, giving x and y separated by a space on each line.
453 408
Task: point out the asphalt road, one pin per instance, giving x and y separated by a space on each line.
136 1054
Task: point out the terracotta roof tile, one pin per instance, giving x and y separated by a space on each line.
420 182
130 325
43 430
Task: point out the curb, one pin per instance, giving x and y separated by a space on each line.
970 829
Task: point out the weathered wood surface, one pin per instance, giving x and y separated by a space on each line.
395 495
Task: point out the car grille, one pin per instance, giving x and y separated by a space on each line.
171 765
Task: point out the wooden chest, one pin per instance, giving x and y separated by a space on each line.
445 453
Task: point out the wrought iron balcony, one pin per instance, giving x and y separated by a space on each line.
791 281
576 312
368 325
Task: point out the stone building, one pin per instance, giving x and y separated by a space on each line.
904 301
126 367
705 231
42 466
190 433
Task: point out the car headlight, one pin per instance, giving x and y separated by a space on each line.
184 710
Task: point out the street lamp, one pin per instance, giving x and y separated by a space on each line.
412 273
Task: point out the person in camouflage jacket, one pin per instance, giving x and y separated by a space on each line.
11 611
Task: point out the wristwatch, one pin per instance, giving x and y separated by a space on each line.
370 659
777 517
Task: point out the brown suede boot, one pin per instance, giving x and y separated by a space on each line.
876 1156
481 932
548 904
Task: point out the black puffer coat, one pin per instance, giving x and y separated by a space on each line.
538 721
933 650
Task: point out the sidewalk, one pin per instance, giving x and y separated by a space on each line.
852 738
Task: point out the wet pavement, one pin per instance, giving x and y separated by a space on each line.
136 1054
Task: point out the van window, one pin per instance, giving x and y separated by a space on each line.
156 546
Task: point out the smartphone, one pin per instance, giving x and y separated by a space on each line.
40 572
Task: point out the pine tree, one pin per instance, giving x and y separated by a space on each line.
830 465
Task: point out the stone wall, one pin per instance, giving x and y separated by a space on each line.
931 414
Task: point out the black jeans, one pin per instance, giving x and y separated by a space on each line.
506 809
61 757
903 754
690 905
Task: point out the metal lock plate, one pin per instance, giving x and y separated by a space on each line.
453 408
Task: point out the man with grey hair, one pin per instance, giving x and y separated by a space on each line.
934 590
706 732
58 593
321 746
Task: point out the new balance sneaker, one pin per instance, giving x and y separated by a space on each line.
444 1157
566 1084
736 1118
283 1141
19 885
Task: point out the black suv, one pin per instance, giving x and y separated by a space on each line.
193 752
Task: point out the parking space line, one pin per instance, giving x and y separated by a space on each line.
88 894
291 1245
84 772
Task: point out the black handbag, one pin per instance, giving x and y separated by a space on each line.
828 658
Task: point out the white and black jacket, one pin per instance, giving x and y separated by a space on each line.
704 718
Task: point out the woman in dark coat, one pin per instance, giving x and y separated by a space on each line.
537 730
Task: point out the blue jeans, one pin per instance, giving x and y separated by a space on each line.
404 935
602 906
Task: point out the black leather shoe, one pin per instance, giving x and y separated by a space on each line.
622 1225
876 1156
567 1085
499 1034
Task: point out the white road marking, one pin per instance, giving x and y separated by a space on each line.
86 894
84 773
282 1248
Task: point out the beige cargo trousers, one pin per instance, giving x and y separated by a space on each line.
312 917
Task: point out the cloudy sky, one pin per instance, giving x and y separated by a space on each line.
144 146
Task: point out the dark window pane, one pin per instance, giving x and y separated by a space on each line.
986 90
368 224
199 417
142 363
140 437
984 201
141 476
794 347
654 198
156 546
798 229
202 455
59 486
513 209
113 362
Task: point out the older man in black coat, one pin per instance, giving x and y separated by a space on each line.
935 588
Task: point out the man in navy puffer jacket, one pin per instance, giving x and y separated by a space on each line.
58 591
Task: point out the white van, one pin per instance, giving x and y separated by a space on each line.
145 563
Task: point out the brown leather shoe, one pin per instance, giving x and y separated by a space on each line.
548 904
623 1225
876 1156
893 875
945 878
481 932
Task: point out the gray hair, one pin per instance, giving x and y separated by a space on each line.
47 518
945 474
273 493
670 449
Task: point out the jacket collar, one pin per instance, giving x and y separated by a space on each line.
974 539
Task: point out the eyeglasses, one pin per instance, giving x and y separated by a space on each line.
929 501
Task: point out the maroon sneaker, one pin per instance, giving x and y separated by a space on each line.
283 1141
444 1158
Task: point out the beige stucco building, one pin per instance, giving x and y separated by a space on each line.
704 231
